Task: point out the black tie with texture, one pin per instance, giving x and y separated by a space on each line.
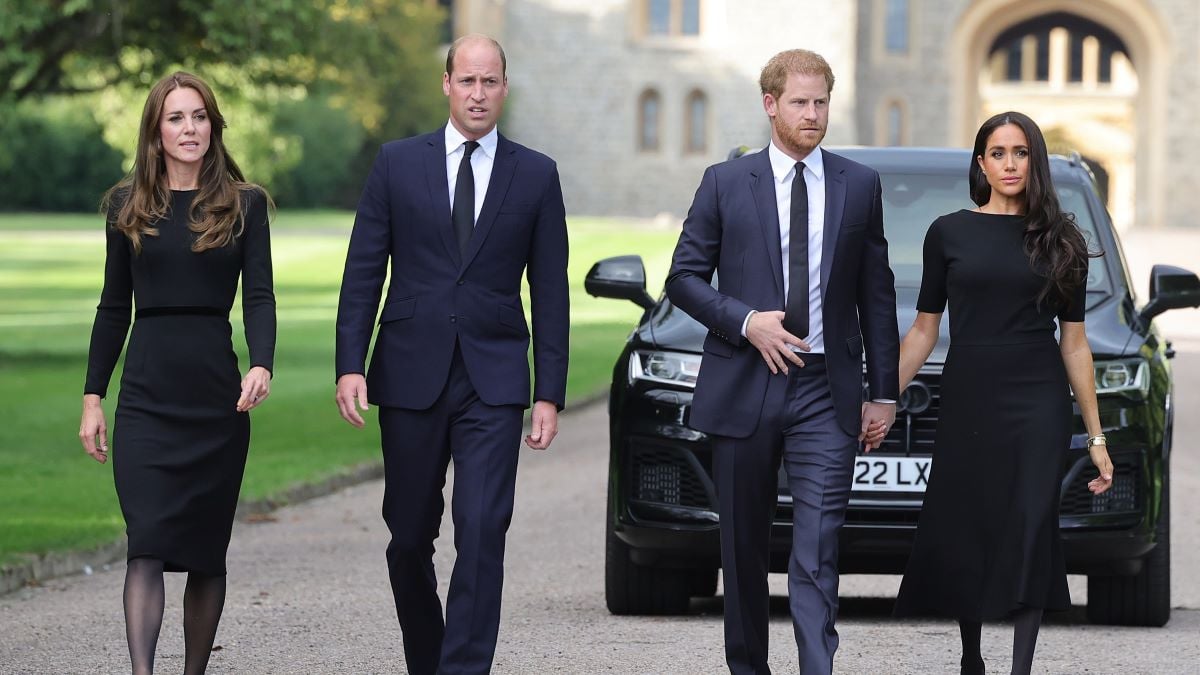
795 314
462 214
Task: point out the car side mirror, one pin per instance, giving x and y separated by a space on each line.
1170 288
622 277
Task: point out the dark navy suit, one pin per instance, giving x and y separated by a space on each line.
450 374
809 418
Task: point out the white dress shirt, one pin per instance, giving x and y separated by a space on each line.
783 169
481 162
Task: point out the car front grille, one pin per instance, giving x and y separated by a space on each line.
665 475
914 430
1125 495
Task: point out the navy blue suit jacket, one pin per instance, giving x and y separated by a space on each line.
733 228
436 296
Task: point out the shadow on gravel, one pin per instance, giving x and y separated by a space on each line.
867 609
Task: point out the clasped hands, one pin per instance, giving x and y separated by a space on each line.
778 347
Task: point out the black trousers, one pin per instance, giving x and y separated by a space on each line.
483 441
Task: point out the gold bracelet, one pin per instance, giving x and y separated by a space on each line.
1098 439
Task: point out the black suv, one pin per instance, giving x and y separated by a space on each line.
662 523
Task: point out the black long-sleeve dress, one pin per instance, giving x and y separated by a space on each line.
988 543
179 444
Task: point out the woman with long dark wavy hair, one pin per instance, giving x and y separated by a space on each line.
987 546
182 228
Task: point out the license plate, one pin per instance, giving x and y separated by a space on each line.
891 474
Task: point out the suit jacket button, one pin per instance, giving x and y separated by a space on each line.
461 282
453 318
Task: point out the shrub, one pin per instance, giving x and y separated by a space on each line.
53 157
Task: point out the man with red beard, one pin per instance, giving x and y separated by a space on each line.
795 235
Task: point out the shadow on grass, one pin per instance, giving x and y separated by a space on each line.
42 359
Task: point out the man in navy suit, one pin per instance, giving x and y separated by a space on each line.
460 214
795 235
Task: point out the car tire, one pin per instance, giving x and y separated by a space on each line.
630 588
1145 598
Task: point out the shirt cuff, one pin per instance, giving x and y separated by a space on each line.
746 321
883 400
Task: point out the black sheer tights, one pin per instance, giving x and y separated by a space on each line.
203 600
1026 624
143 611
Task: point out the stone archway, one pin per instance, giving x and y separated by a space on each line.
1146 41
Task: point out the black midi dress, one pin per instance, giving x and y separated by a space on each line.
179 445
987 543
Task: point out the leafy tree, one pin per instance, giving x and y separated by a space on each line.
372 66
75 46
327 142
78 46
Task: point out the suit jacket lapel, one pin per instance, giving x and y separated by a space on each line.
439 191
835 203
503 167
762 185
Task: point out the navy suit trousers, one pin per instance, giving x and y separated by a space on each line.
799 428
483 441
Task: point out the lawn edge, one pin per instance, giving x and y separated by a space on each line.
37 569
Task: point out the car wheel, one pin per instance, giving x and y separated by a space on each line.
1145 598
630 588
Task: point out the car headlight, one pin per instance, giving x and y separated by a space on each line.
668 367
1123 375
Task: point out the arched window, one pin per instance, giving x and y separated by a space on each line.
649 121
658 17
891 122
689 21
1058 47
895 124
696 122
672 17
896 26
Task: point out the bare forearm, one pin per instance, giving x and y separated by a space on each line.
1081 374
1077 358
918 344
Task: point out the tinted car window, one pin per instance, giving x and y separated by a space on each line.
1073 200
911 201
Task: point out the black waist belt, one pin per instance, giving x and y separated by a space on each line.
180 311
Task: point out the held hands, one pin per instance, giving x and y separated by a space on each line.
543 425
351 388
1100 458
256 387
765 331
93 430
877 420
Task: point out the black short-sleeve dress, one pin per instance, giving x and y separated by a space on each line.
179 444
987 542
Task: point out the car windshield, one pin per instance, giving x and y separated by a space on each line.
911 201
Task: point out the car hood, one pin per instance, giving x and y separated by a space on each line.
1108 327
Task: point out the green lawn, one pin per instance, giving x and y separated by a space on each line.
53 497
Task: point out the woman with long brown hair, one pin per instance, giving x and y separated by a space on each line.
182 228
987 544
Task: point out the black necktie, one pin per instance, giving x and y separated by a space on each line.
795 314
462 214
